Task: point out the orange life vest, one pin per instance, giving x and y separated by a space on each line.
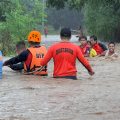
37 56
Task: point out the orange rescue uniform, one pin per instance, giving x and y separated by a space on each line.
64 55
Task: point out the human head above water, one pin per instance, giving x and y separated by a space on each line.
83 40
83 37
34 37
89 43
111 43
93 39
111 46
65 33
20 47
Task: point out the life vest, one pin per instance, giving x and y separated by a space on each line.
37 55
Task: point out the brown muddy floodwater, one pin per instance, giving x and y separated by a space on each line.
27 97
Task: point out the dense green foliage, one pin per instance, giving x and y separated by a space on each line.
18 17
101 17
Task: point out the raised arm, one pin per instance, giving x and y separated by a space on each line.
84 61
20 58
47 57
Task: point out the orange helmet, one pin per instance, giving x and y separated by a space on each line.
34 36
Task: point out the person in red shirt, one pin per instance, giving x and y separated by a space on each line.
85 48
64 55
95 45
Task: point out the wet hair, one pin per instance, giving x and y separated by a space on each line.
88 42
20 45
111 43
65 33
93 37
83 37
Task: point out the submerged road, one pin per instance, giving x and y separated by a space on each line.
27 97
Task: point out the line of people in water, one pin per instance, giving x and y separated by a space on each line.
64 54
93 48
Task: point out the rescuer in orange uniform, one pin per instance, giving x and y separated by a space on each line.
64 55
32 56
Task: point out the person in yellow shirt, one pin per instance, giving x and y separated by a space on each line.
92 52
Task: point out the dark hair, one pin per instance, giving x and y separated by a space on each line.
88 42
93 37
111 43
20 45
83 37
65 33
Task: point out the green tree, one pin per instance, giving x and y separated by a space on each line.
20 19
101 17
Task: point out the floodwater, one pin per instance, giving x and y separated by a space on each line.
27 97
